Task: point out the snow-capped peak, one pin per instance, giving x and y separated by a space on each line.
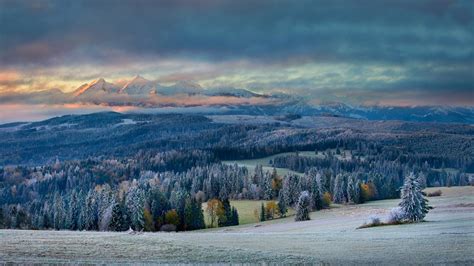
181 87
94 87
138 86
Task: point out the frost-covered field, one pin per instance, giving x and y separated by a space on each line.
330 237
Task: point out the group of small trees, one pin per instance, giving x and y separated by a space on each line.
221 213
271 210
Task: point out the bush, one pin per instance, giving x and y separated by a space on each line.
326 199
435 193
374 220
171 217
396 215
168 228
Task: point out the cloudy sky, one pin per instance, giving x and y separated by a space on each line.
367 52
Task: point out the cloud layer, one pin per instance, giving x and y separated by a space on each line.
395 52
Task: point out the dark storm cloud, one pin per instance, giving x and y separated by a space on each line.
418 36
388 31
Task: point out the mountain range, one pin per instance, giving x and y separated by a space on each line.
143 93
139 87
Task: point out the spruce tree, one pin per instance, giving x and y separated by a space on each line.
351 194
303 207
1 217
413 204
263 215
198 215
194 218
119 221
226 219
315 186
282 207
338 192
235 216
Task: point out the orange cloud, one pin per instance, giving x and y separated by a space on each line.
9 75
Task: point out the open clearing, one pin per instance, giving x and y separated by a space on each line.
246 209
265 161
330 237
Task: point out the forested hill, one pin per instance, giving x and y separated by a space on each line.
113 134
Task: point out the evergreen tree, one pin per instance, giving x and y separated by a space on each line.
194 218
315 189
90 212
267 186
235 216
357 192
351 194
263 216
413 204
119 220
73 211
2 222
58 210
338 191
226 219
303 207
291 188
282 208
158 207
135 205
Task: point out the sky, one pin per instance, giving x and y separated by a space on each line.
361 52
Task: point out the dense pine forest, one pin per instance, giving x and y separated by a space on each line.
172 174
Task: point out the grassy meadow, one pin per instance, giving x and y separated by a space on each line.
330 237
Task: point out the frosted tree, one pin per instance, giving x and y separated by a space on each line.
73 211
119 220
135 204
351 194
106 218
291 189
413 204
338 192
267 186
90 212
303 207
58 212
282 207
315 189
357 192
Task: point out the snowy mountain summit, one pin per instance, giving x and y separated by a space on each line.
139 86
95 88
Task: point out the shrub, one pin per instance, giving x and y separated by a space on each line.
435 193
326 199
168 228
374 220
171 217
396 215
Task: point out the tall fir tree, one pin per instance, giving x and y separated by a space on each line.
235 216
303 207
413 204
226 219
351 194
263 215
282 207
338 191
